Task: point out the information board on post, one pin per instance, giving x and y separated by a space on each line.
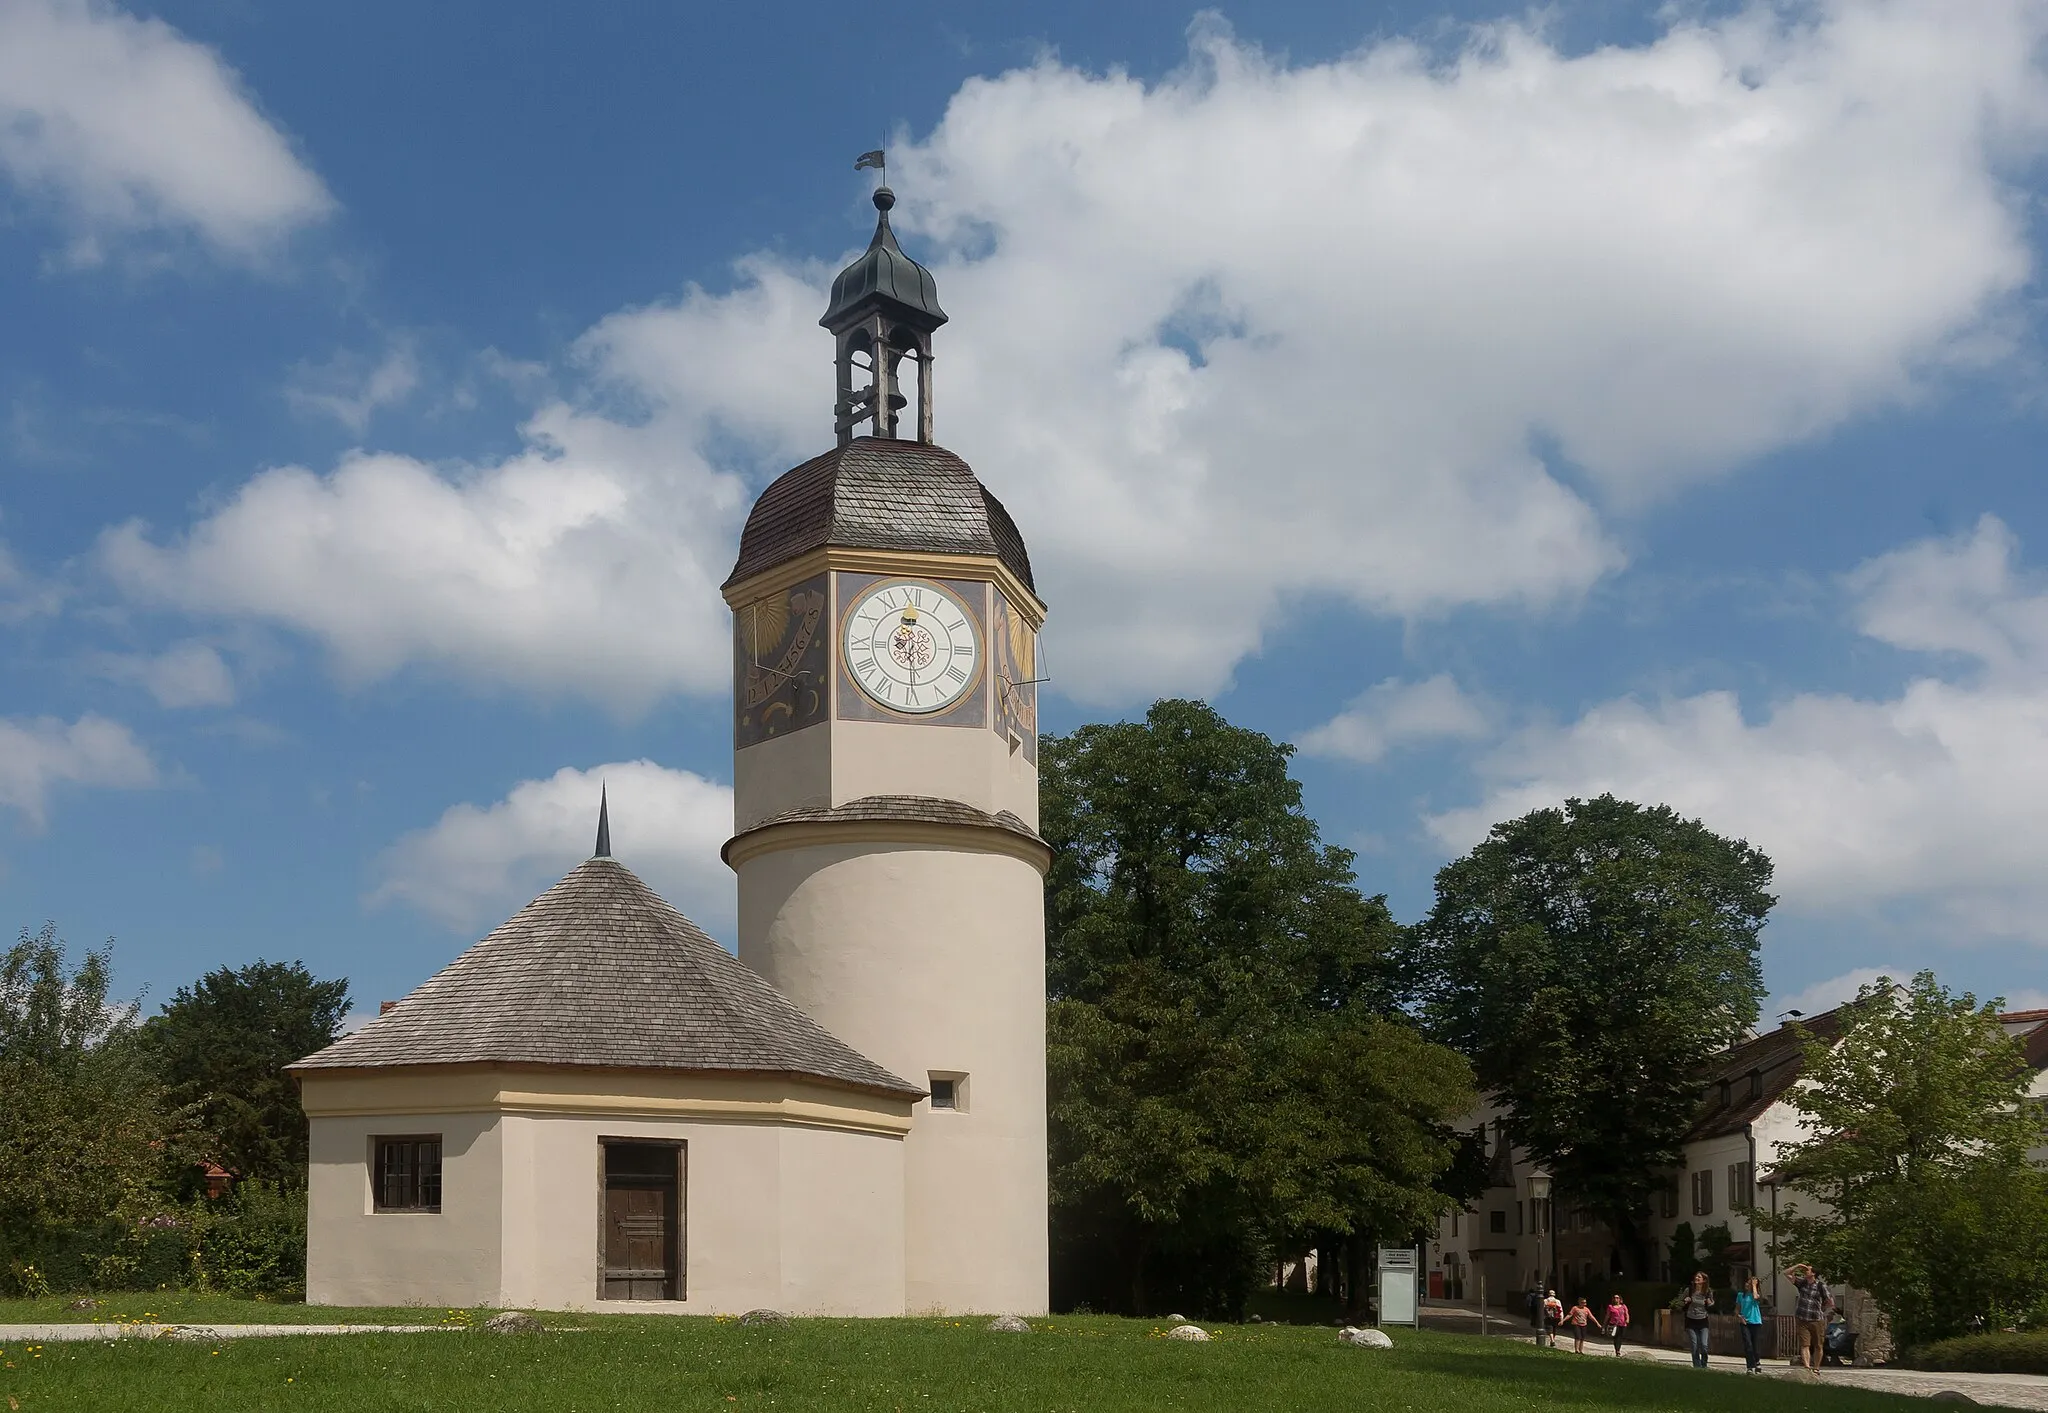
1399 1268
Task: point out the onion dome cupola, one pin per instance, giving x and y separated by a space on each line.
884 308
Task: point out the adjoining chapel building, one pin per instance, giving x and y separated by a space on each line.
1731 1164
597 1103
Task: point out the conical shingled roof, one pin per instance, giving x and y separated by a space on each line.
600 972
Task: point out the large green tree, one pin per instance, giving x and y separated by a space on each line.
1589 959
88 1137
1225 1072
221 1044
1918 1126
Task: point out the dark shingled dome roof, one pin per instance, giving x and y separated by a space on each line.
879 493
600 972
884 275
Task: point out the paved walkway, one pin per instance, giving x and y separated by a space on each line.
58 1334
2004 1390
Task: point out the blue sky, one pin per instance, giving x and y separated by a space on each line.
1499 406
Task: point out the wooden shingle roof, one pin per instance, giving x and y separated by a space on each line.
879 493
600 972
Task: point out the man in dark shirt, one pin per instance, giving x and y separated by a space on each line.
1810 1316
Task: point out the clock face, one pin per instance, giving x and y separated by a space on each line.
911 646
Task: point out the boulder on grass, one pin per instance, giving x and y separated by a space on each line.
1364 1339
513 1322
1009 1324
764 1317
1176 1319
1951 1395
1800 1374
84 1302
1193 1333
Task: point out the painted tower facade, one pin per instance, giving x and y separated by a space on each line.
891 878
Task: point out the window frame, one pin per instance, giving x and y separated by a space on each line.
1741 1185
1703 1193
955 1078
415 1179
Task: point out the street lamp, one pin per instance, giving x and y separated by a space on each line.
1539 1213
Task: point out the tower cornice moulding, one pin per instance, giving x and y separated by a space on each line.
909 563
773 837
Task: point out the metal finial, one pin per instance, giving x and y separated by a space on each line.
885 199
604 824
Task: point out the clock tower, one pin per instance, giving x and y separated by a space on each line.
885 774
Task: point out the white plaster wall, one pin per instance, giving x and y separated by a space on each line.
799 1219
970 764
928 959
842 1204
782 773
357 1256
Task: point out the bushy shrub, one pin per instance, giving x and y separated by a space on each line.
250 1244
2023 1353
254 1244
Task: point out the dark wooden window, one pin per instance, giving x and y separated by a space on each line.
407 1173
641 1244
1741 1185
945 1093
1703 1193
1497 1222
1667 1199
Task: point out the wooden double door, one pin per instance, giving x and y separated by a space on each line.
641 1243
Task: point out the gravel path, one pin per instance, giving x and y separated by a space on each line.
2003 1390
57 1334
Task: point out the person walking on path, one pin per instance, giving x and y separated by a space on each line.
1578 1317
1749 1305
1696 1303
1553 1315
1810 1315
1617 1320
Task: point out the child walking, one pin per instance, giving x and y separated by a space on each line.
1578 1317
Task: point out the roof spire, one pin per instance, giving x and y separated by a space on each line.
604 823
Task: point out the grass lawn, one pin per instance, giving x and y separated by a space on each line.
1077 1364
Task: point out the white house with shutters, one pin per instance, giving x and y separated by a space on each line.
1731 1162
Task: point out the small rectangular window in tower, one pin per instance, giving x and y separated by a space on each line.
949 1091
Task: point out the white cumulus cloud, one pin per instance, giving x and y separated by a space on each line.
131 126
1254 336
39 753
478 863
351 389
587 565
1823 996
1936 797
188 674
1394 714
